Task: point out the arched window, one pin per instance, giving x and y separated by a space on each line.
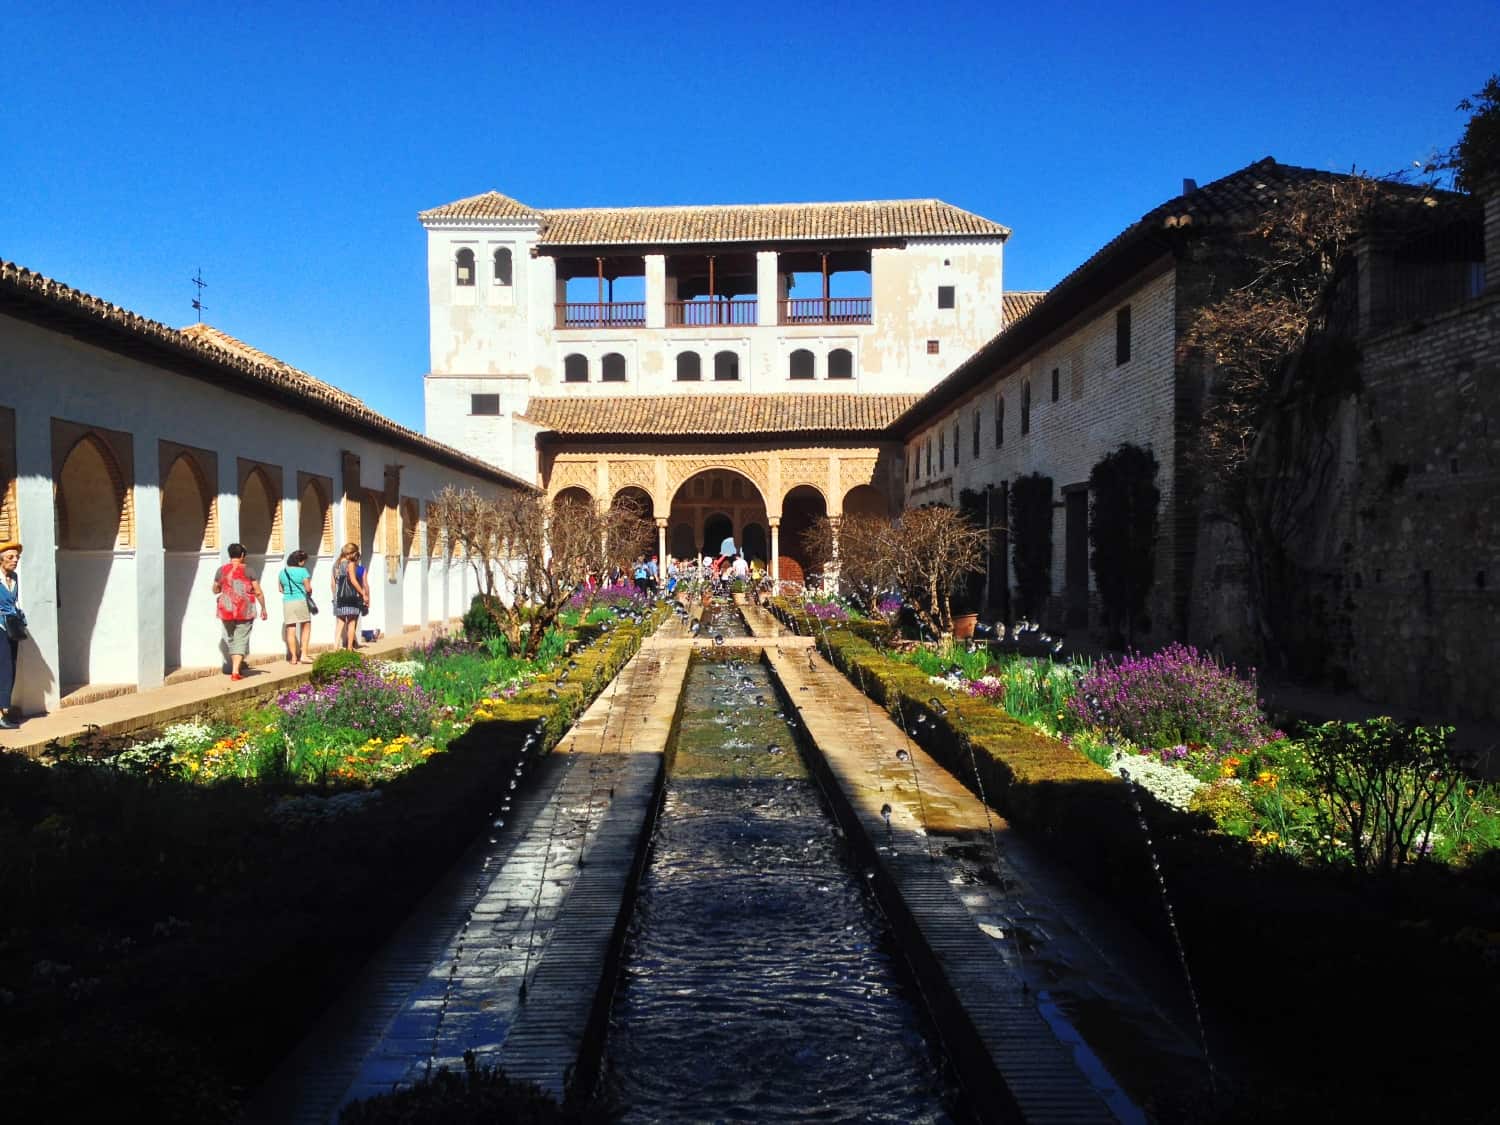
841 364
726 367
1026 406
576 369
999 421
801 364
613 368
502 266
464 261
689 367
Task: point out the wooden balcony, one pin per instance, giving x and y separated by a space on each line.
606 314
832 310
706 314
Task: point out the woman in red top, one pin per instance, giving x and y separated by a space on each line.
238 592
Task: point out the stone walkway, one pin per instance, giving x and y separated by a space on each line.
122 714
542 900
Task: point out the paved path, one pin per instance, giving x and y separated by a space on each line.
122 714
543 899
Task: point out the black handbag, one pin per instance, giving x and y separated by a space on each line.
312 606
15 626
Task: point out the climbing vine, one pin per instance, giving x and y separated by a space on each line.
1122 532
1031 541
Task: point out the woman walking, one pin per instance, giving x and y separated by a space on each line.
350 595
296 608
237 593
12 626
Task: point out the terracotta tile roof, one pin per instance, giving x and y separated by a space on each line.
205 352
760 222
1232 201
1016 303
486 205
721 414
214 337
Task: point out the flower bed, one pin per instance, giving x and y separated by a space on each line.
172 938
1303 969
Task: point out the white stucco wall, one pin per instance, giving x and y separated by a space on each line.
115 617
1101 405
483 344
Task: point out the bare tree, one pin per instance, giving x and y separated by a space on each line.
926 552
530 554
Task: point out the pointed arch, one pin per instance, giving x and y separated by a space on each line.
95 509
260 513
189 507
314 515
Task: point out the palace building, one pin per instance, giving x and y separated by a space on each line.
731 368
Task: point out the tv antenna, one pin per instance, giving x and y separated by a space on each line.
198 305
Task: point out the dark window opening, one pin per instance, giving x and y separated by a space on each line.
942 451
1026 407
928 445
1122 335
613 368
484 404
464 267
932 347
801 364
1056 376
502 266
689 367
945 296
576 369
999 421
976 431
841 364
957 442
726 367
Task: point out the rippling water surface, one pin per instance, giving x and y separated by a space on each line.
758 983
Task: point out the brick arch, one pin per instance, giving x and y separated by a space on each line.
316 540
95 508
258 482
207 505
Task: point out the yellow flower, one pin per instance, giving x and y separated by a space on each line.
270 727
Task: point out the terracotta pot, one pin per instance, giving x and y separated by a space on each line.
963 625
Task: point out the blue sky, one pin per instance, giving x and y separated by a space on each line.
286 148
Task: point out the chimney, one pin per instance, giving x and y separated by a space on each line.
1188 185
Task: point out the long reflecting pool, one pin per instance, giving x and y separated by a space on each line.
759 983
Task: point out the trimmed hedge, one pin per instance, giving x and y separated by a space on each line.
1308 976
173 941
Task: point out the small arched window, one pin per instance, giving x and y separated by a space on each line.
841 364
689 367
464 267
801 364
613 368
576 369
1026 406
502 266
726 367
999 421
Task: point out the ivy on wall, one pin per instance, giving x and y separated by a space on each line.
1031 541
1122 532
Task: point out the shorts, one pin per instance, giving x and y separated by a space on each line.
294 611
237 634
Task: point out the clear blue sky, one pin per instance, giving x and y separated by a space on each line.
286 148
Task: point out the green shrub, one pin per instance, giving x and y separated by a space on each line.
476 1097
479 623
332 665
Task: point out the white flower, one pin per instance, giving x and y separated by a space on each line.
1168 784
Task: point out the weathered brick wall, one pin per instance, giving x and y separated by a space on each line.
1423 558
1101 405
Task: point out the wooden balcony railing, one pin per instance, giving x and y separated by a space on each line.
607 314
699 314
835 310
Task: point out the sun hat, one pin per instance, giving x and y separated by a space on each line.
10 545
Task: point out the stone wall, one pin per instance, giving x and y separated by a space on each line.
1423 558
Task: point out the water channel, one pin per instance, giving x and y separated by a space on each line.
759 982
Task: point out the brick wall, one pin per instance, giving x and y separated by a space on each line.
1101 405
1422 561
